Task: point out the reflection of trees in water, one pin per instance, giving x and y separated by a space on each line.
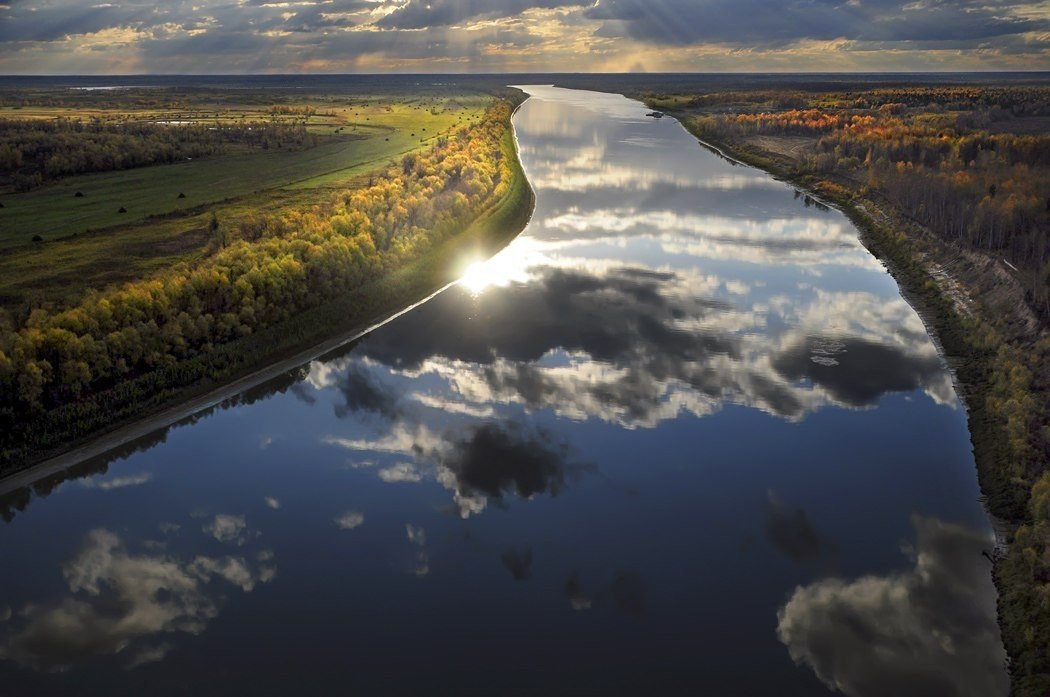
810 202
928 630
17 500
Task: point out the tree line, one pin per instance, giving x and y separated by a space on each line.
943 167
33 151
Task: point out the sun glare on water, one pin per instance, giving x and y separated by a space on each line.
509 266
480 275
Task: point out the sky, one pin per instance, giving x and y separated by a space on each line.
462 36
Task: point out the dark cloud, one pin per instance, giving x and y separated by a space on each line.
495 460
50 23
519 564
764 23
362 391
790 531
246 45
856 371
929 630
720 21
479 462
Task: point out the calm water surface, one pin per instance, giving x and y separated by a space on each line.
683 436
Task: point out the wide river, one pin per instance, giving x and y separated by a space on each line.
683 436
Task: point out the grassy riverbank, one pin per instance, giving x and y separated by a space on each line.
420 261
999 357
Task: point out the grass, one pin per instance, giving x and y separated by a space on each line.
370 136
88 244
59 273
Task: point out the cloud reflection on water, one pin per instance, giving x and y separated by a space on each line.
479 463
790 530
635 347
628 301
928 630
119 603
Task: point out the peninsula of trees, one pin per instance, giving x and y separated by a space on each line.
272 282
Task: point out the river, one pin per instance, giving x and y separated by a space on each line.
682 436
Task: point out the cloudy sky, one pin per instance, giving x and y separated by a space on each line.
268 36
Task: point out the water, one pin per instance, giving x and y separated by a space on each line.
683 436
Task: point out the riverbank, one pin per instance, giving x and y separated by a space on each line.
989 338
234 366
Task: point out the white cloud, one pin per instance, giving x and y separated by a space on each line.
400 472
117 601
230 529
350 520
118 482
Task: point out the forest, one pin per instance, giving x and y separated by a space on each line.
120 345
33 151
969 165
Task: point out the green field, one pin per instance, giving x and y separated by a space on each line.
87 243
377 134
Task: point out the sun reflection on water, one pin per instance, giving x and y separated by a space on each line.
511 265
478 276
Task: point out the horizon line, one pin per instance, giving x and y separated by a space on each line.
537 72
